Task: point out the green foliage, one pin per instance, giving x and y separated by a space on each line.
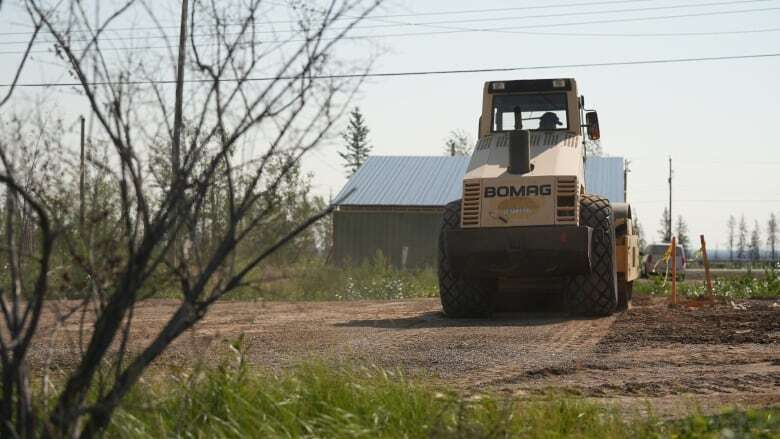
313 279
321 400
291 204
733 424
746 286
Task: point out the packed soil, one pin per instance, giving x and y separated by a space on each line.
668 359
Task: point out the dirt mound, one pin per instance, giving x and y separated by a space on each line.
656 324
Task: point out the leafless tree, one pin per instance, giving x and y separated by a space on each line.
771 236
166 153
731 227
4 98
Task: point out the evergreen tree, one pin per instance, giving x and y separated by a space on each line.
640 231
356 138
682 234
732 226
771 235
742 238
755 243
664 233
457 143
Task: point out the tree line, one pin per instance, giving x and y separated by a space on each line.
744 244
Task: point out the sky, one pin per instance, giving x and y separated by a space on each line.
718 120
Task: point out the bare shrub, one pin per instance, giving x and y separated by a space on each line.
185 176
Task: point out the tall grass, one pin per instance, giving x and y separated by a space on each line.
320 400
314 279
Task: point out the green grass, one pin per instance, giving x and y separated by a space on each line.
319 400
314 280
373 279
745 286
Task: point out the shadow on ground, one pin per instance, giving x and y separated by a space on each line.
513 309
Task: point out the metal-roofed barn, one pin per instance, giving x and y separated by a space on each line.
398 201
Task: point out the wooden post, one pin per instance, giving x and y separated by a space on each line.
82 171
674 270
178 103
707 275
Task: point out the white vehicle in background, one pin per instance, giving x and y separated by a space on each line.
653 261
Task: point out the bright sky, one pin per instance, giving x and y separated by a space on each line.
717 119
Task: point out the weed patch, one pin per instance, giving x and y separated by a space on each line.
746 286
318 400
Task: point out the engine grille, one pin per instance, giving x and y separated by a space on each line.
567 207
471 204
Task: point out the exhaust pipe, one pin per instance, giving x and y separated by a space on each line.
519 152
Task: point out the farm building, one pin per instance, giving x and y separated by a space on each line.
397 203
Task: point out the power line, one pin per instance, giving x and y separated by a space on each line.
417 73
451 29
502 30
516 8
512 30
413 14
659 34
326 162
570 14
414 34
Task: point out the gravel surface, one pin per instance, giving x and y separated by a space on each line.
671 359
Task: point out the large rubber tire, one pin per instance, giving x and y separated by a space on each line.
596 293
461 297
625 292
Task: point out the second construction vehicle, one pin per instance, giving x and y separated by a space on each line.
526 216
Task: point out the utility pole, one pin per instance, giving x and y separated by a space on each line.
82 171
670 198
177 117
626 170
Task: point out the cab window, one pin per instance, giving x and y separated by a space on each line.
542 111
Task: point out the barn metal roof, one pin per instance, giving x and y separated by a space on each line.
436 180
406 181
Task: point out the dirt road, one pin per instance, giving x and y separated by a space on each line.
673 358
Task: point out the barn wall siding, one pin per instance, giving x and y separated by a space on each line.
359 235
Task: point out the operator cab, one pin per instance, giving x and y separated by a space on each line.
531 111
535 105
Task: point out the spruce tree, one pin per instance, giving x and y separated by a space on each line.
771 235
664 232
356 142
682 234
755 243
742 238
